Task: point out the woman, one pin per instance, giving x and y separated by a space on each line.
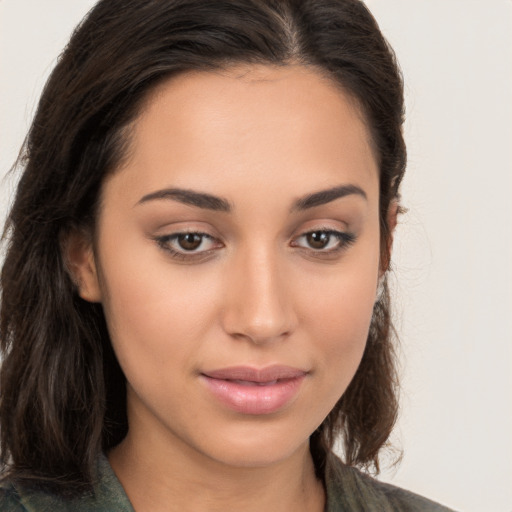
194 300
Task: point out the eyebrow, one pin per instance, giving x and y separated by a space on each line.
185 196
220 204
326 196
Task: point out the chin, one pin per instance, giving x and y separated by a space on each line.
256 447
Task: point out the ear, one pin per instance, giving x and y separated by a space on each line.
391 221
79 258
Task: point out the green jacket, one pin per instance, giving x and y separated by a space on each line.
348 490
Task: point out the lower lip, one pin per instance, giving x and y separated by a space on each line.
254 399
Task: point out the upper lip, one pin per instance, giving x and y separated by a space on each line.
247 373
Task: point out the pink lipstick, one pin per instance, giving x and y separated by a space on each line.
255 391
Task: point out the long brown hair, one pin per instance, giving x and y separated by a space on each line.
62 392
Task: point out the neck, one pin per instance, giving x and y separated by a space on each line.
171 478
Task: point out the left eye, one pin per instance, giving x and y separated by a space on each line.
187 242
323 240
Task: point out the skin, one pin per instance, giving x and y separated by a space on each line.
254 293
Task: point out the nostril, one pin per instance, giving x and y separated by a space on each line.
258 305
258 337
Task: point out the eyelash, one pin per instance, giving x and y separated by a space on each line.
165 243
344 240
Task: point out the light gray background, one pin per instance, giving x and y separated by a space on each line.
453 252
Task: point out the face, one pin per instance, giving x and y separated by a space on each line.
237 259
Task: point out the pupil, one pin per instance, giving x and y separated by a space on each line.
318 240
189 241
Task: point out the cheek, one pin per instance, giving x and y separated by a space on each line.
342 328
342 346
340 312
155 316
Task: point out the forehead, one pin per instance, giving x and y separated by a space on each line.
250 121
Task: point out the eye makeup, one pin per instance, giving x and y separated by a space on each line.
188 246
324 241
197 246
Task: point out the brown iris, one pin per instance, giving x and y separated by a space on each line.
318 239
189 241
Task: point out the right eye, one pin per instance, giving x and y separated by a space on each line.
188 244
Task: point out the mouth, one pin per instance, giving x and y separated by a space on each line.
254 391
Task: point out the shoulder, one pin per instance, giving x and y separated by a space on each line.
10 499
350 490
107 495
17 498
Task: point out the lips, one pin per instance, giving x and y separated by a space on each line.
254 391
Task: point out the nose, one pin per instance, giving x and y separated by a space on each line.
259 300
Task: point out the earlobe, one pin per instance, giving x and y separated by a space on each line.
80 262
391 221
